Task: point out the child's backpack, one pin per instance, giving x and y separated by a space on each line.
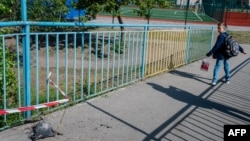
232 46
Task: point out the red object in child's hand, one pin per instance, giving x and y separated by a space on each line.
204 65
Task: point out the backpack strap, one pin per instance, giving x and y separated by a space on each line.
227 37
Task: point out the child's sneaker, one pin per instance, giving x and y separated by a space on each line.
228 81
213 83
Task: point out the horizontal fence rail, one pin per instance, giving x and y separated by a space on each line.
85 64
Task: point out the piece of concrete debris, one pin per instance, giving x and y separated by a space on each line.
42 130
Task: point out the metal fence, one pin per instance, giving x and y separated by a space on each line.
215 9
218 9
88 63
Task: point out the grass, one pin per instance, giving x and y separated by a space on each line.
241 36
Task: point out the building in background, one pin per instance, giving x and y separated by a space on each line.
73 14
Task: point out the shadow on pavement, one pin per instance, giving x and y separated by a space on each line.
193 100
189 75
119 119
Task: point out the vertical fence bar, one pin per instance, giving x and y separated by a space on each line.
107 79
57 65
18 73
47 66
157 61
4 77
123 59
152 51
188 45
212 38
102 60
119 55
161 49
113 60
89 65
96 61
37 70
74 81
26 58
136 55
66 64
132 57
140 54
128 58
82 66
144 52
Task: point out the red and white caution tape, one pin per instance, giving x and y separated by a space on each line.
39 106
33 107
53 84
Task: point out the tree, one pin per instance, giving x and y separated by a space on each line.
46 10
145 7
38 10
113 7
92 7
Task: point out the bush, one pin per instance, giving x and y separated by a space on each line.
8 79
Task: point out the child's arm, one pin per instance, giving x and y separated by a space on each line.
242 50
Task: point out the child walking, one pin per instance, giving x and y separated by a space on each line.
218 52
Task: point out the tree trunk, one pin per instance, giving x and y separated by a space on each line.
120 20
122 27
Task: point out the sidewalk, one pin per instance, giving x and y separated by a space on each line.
177 105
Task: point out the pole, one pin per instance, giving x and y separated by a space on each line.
26 58
113 18
187 7
226 12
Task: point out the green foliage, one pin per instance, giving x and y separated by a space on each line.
38 10
10 7
118 48
8 80
113 6
92 7
10 77
146 5
47 10
88 89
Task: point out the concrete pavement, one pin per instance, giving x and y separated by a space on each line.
177 105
